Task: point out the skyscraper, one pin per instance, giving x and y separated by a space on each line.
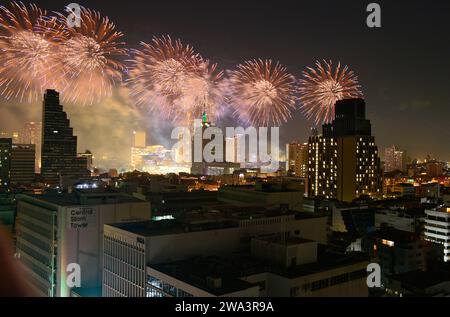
22 164
394 159
344 160
139 144
59 145
297 158
5 163
32 134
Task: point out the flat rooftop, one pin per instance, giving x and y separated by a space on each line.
285 241
421 279
152 228
196 271
83 198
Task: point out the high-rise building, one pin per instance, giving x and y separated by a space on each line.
139 139
22 164
297 158
139 144
15 137
89 159
394 159
59 145
32 134
343 161
199 145
5 164
434 168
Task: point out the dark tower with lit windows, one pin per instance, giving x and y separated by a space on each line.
59 145
344 162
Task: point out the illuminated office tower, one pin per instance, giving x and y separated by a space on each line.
344 162
322 168
59 145
297 158
32 134
139 139
394 159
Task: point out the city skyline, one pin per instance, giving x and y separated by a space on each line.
224 154
398 104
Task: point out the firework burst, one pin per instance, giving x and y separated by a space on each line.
29 52
261 93
201 90
92 58
174 82
322 86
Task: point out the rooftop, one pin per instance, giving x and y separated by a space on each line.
421 279
196 271
89 197
172 226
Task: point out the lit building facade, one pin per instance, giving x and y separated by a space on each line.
394 159
32 134
297 158
437 229
343 161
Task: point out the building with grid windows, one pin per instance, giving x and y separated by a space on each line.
343 161
130 248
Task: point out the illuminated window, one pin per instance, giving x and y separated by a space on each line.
387 242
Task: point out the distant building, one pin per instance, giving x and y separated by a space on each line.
394 159
431 283
281 194
54 230
59 145
351 218
89 159
434 169
5 164
399 251
23 159
139 139
297 159
200 166
403 190
344 162
410 220
32 134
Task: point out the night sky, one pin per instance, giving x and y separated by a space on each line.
403 67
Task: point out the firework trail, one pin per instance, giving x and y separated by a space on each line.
173 81
322 86
29 52
261 93
92 58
